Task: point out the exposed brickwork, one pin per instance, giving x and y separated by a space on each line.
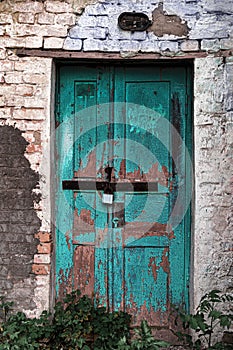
18 219
26 98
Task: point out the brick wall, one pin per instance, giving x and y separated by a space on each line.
203 31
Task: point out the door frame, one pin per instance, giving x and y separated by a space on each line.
188 218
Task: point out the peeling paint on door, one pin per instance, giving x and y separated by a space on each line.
128 254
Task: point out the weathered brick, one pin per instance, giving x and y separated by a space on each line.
2 54
26 18
92 45
139 36
2 101
189 45
6 66
226 44
210 45
95 10
57 6
103 21
44 248
29 114
100 33
209 27
216 6
31 6
41 258
53 43
46 18
13 78
12 42
5 113
24 90
171 46
12 101
87 21
129 45
38 79
22 30
66 19
33 149
44 237
81 33
5 18
34 66
34 42
33 102
72 44
40 269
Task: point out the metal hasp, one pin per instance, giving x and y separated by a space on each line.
133 21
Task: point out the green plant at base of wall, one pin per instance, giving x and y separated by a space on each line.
75 324
206 321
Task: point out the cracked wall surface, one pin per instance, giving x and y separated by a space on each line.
180 28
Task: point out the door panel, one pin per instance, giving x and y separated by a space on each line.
128 255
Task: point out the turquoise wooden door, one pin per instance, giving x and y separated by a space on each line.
124 130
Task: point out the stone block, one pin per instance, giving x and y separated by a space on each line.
149 46
13 101
218 6
189 45
33 102
40 269
34 66
12 42
78 32
2 54
129 45
209 27
44 248
103 21
13 78
210 45
110 45
6 66
72 44
68 19
28 114
100 33
92 45
116 33
5 18
34 42
139 36
37 79
171 46
53 43
95 10
46 18
29 6
57 6
44 237
87 21
26 17
226 44
41 258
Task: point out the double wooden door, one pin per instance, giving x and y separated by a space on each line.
124 131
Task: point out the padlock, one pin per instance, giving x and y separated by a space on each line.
107 198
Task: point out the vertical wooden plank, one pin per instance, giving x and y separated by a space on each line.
64 201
